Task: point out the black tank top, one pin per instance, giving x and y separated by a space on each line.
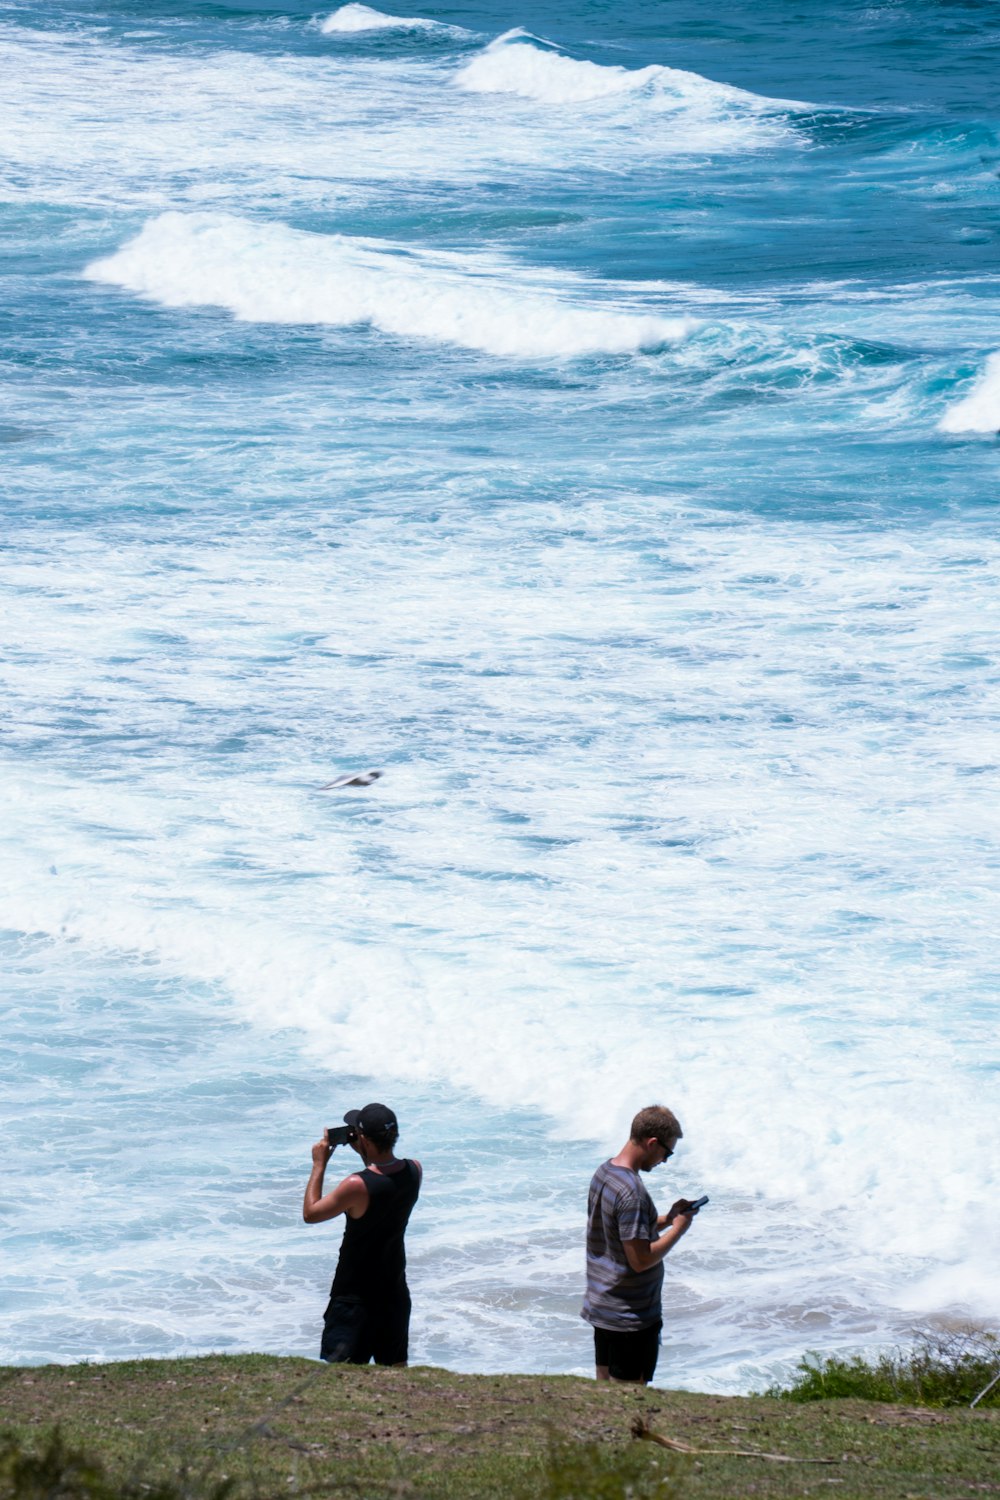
372 1256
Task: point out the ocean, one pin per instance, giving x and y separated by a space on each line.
586 415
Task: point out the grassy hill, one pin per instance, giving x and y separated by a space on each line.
257 1426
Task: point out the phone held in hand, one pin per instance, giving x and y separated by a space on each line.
698 1203
338 1135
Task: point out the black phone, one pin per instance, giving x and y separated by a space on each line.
338 1135
698 1203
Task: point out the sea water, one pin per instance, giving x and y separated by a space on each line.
585 414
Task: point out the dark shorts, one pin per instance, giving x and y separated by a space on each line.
355 1332
628 1356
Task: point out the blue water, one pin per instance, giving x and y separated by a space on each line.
588 416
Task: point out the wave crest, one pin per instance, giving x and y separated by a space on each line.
272 274
979 411
355 18
515 64
522 64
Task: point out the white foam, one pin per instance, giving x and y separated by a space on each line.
778 927
515 64
358 18
272 274
243 132
516 989
979 411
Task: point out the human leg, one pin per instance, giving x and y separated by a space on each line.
346 1334
628 1357
391 1331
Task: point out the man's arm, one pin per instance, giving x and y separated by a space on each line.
348 1197
643 1255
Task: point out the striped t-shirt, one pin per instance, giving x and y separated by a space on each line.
619 1208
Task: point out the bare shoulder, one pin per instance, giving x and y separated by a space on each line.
350 1192
350 1196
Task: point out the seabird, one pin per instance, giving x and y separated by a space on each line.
352 778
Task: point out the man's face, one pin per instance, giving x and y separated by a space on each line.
657 1153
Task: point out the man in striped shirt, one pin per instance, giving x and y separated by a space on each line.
626 1243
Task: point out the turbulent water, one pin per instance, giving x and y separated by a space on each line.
586 415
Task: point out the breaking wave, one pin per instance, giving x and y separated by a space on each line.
355 18
269 273
979 411
522 64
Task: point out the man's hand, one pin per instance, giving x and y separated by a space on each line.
322 1151
682 1209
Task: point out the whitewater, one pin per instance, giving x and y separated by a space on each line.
588 418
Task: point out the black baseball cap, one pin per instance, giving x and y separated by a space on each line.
373 1121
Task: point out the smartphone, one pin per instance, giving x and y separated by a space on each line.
698 1203
338 1135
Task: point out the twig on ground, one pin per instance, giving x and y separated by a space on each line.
642 1429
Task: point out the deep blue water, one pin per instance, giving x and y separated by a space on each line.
587 415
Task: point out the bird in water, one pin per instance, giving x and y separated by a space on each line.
353 778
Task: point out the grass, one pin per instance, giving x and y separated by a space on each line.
254 1427
942 1369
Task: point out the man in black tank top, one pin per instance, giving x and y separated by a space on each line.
368 1315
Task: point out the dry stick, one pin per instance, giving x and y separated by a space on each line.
642 1429
985 1391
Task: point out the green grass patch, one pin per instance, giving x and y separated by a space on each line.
255 1427
941 1369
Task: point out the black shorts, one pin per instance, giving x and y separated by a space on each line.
628 1356
355 1331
